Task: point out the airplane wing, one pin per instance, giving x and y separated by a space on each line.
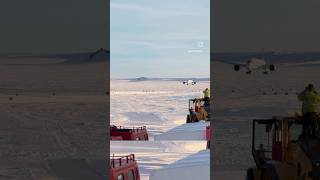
243 60
239 58
101 50
72 58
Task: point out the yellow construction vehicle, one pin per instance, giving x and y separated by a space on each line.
281 153
198 110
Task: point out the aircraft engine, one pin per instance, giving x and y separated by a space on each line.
272 67
236 67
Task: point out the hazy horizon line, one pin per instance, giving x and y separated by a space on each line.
159 78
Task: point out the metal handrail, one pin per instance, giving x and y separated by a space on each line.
121 160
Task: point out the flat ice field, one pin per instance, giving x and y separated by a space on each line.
166 160
239 98
160 105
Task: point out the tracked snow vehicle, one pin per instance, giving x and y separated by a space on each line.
198 110
127 134
281 153
123 168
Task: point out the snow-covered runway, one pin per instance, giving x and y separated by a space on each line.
161 106
154 155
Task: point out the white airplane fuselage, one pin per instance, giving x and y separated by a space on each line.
255 63
189 82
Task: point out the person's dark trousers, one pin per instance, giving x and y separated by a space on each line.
206 101
207 104
309 120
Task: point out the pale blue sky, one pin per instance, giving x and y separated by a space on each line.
155 38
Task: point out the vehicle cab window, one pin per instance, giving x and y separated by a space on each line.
295 132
